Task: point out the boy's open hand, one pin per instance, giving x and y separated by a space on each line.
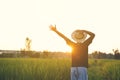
53 28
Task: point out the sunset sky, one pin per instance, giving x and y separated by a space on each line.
31 18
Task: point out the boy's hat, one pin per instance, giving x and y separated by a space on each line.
79 36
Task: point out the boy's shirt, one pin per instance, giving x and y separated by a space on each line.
79 54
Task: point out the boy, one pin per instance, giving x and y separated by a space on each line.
79 52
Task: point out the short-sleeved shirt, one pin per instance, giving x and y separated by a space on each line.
79 54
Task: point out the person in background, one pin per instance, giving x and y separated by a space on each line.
82 39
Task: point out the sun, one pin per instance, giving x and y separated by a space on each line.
68 49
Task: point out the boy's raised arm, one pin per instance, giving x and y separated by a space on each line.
53 28
89 40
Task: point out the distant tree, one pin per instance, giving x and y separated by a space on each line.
95 54
110 56
101 55
26 52
46 53
28 44
116 53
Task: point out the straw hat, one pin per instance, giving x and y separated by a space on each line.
79 36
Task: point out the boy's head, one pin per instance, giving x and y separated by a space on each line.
78 36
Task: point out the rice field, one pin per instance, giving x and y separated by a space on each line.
55 69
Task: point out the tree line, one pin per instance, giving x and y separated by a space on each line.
28 53
104 55
48 54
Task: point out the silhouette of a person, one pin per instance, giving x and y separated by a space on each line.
79 54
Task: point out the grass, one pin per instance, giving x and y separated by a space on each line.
55 69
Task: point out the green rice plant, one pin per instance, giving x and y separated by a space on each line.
55 69
111 70
94 69
34 69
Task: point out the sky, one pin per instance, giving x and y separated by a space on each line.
31 18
